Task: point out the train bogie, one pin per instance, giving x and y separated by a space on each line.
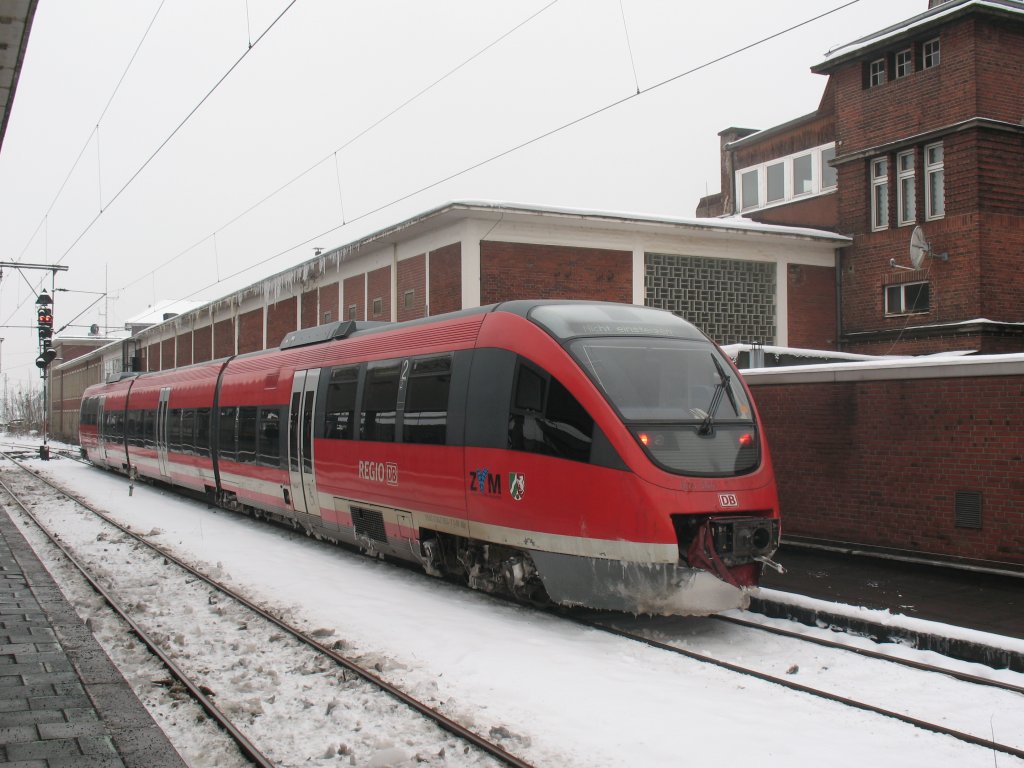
589 454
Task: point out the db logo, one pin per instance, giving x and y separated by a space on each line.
728 500
379 472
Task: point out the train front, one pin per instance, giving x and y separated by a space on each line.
704 506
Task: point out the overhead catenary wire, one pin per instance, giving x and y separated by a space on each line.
394 111
163 144
522 145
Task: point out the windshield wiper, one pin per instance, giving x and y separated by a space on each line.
716 398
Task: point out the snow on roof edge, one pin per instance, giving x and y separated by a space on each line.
913 22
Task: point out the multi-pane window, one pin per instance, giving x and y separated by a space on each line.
930 54
546 419
879 193
409 299
380 401
876 73
934 182
782 179
351 311
378 307
340 409
803 175
907 298
905 188
749 188
904 62
425 419
775 176
829 176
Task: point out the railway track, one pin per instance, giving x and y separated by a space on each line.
680 635
330 680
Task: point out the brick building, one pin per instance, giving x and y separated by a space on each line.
738 280
920 127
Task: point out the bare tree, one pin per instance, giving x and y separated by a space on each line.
23 406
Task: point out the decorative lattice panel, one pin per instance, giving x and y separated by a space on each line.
732 301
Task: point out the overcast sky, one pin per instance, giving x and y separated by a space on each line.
323 73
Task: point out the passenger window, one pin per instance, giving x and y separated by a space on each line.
546 419
339 418
188 431
226 433
380 401
246 435
425 418
174 430
202 431
149 429
270 437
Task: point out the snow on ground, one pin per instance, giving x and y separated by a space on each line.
569 697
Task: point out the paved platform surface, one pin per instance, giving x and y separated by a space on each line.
62 701
987 602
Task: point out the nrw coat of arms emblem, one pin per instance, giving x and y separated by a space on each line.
517 485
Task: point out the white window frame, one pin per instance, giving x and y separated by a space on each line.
745 203
931 53
879 186
769 170
876 73
904 63
815 185
934 169
761 172
902 308
906 190
825 167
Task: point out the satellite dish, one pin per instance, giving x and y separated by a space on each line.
919 248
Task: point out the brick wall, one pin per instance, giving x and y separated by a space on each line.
166 354
812 307
530 271
982 66
224 338
818 212
879 462
281 319
310 315
378 286
329 303
446 279
354 291
152 358
184 351
250 331
412 276
202 344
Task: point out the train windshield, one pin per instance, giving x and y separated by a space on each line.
680 398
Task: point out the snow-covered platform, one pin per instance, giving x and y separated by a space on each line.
62 702
978 612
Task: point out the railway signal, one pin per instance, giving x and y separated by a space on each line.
44 316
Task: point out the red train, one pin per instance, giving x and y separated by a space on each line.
584 453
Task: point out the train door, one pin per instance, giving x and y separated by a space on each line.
101 443
300 443
161 432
